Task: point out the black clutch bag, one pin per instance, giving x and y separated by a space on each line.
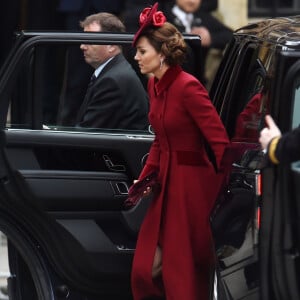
136 191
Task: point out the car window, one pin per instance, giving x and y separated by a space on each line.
38 88
296 108
296 114
245 99
252 106
50 80
223 74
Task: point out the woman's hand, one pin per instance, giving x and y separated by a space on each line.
148 189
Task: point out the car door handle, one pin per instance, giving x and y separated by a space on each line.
125 249
111 166
121 188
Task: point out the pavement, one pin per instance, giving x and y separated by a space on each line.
4 271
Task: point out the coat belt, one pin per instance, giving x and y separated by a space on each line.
191 158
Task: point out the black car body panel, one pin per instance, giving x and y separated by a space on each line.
256 242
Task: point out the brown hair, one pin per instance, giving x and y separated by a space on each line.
107 21
167 40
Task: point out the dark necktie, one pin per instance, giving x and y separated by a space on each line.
92 80
86 99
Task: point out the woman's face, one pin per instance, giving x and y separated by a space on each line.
147 57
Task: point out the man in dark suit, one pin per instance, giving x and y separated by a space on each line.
116 98
188 17
78 72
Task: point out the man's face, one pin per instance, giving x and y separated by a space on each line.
189 6
94 55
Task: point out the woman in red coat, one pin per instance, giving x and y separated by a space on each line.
174 255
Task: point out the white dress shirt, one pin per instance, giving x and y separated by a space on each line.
101 67
185 18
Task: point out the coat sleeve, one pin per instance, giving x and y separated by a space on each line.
220 34
201 109
288 147
152 162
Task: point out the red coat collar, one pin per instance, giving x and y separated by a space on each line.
167 79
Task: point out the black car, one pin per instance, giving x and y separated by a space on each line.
256 220
62 189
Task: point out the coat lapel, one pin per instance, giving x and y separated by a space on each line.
167 79
116 60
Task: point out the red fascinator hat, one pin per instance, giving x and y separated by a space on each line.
149 17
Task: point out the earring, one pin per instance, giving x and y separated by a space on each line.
161 63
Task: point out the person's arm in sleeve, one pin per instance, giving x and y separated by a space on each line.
288 147
203 112
221 35
152 163
280 148
213 33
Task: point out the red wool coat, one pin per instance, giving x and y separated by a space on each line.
182 117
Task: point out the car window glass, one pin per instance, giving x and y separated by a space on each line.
223 74
296 108
244 112
38 97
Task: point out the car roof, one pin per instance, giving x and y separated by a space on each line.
284 31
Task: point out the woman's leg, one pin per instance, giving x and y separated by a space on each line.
157 263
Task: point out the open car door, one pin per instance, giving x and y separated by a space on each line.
62 189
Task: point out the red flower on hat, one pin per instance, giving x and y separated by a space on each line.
144 15
149 17
158 18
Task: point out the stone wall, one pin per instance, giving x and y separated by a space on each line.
234 13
